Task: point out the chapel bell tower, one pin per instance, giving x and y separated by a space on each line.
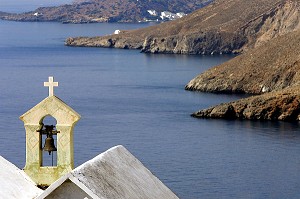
33 119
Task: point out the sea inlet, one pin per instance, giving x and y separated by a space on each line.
138 100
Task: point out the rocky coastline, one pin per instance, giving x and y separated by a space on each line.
271 67
271 72
98 11
218 28
274 106
267 37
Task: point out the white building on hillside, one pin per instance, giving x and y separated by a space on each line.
180 14
152 12
166 15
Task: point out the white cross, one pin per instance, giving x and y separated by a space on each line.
51 84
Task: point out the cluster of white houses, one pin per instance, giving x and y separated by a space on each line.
115 173
166 15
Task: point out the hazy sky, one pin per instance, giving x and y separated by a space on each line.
28 5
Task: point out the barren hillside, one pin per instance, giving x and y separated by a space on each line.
88 11
221 27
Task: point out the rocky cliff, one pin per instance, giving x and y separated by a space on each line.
270 70
281 105
269 67
221 27
88 11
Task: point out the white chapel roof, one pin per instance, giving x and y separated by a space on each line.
115 173
14 183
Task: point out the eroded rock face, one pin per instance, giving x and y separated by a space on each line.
281 105
197 43
253 25
271 67
119 42
277 22
271 70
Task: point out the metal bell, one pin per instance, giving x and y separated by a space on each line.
49 145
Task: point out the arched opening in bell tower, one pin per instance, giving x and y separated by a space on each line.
48 144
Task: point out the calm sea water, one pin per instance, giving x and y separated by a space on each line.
138 100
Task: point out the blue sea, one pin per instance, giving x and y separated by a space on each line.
138 100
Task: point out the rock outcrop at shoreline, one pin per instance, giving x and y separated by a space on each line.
271 70
281 105
218 28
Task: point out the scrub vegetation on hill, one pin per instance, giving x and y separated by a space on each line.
89 11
